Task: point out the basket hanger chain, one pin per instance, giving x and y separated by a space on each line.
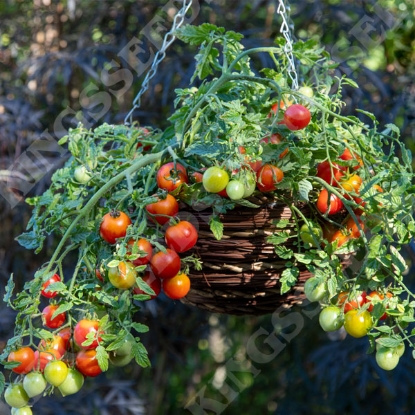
283 10
169 38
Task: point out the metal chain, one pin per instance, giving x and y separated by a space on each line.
169 38
285 30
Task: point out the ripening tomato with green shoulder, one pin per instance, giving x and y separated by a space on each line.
326 205
268 176
114 225
165 264
177 287
181 237
297 117
82 329
171 175
25 356
47 293
357 323
122 276
163 210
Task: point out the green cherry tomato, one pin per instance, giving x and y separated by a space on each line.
235 190
215 179
16 396
34 383
311 233
314 289
331 318
119 360
82 175
25 410
56 372
72 383
307 91
357 323
125 348
387 358
250 186
400 350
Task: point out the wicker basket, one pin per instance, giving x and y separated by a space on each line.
241 272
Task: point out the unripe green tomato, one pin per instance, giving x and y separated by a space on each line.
119 360
307 91
82 175
25 410
34 383
250 187
387 358
331 318
400 350
16 396
314 289
56 372
72 383
311 234
125 348
215 179
235 190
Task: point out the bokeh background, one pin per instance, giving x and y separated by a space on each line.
53 56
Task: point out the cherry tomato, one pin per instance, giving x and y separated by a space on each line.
387 358
81 331
170 176
348 155
15 395
51 280
324 206
125 348
113 226
82 175
43 357
297 117
72 383
165 264
215 179
153 282
24 410
177 287
142 245
66 335
268 176
87 363
331 318
235 189
122 276
314 289
330 172
34 383
307 91
26 357
118 360
351 227
275 139
249 185
57 343
197 177
181 237
56 372
351 301
167 207
377 297
311 233
357 323
275 107
352 183
53 323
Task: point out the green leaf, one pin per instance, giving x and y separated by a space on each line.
398 261
388 342
384 329
304 188
288 279
143 286
30 240
2 383
374 247
105 298
283 252
278 237
9 290
196 35
140 355
62 309
139 328
102 357
216 226
56 287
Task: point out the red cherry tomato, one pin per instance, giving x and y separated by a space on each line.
142 245
197 177
81 331
66 335
348 155
166 208
113 226
351 301
375 297
297 117
57 343
330 173
170 176
181 237
51 280
268 176
87 363
53 323
177 287
26 357
165 264
153 282
335 205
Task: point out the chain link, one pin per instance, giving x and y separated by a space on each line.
169 38
285 30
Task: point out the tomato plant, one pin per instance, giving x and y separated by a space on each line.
86 334
113 226
163 210
181 237
297 117
215 179
165 264
171 175
25 356
328 205
176 287
268 176
122 276
49 320
87 363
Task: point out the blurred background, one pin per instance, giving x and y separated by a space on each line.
56 57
